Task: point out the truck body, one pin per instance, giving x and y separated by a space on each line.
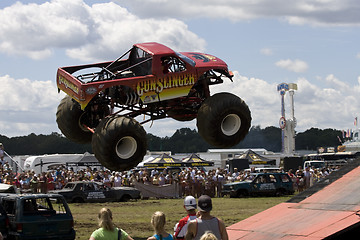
103 99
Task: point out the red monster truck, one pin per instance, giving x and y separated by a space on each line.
151 80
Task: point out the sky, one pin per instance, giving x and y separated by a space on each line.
313 43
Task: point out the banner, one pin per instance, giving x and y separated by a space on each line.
165 191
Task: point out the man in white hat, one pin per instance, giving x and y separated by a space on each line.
206 222
181 227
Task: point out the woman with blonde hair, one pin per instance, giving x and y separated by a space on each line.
158 222
108 230
208 236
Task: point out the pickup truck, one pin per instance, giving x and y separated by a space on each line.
150 80
255 184
87 191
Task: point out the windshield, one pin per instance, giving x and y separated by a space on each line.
69 186
43 206
186 59
318 164
249 177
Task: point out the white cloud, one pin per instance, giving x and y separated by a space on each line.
119 31
319 12
296 65
34 30
96 32
27 106
266 51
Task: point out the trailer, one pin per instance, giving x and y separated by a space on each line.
44 163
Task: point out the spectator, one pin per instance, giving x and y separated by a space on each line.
117 180
106 181
181 227
6 167
308 174
235 173
219 182
50 182
155 180
161 179
43 182
107 230
58 184
34 184
158 221
300 180
208 236
2 154
206 222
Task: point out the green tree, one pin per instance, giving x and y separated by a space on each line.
313 138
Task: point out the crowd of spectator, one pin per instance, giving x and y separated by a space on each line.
192 181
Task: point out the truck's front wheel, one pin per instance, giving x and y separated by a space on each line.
119 143
73 122
69 117
223 120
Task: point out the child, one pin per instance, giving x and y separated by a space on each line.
208 236
158 222
107 230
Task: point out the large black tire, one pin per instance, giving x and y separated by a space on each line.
68 118
223 120
119 143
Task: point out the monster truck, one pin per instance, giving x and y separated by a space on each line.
103 100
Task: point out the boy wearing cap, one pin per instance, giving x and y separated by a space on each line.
181 227
206 222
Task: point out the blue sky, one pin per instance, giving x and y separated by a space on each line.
312 43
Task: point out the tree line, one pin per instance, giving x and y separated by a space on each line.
184 140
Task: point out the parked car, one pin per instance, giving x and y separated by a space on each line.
4 222
38 216
7 188
260 184
86 191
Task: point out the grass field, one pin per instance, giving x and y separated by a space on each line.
134 216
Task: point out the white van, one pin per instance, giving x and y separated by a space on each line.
314 163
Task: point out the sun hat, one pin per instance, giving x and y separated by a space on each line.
190 203
204 203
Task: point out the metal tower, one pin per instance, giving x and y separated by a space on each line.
287 125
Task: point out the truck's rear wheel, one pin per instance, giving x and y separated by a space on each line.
119 143
69 117
223 120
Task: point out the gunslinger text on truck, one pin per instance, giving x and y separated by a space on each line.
150 79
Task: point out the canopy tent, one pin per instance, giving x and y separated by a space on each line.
194 161
141 164
255 158
164 160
